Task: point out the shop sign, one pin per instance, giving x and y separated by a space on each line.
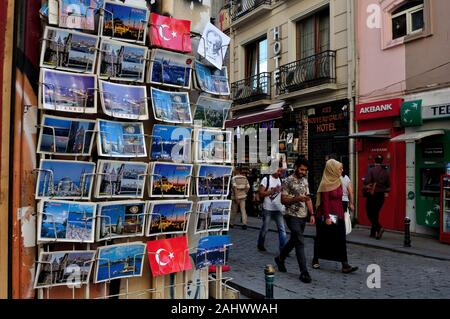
328 121
433 112
432 151
411 113
379 109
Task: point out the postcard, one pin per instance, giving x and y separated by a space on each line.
171 107
53 12
170 69
119 261
212 146
212 250
68 92
120 219
124 101
169 33
66 221
124 22
65 136
70 268
116 179
77 14
170 180
69 50
213 45
168 217
212 215
121 139
211 112
171 143
212 80
213 180
121 61
65 179
168 256
195 287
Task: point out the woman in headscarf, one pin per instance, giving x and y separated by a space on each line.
330 241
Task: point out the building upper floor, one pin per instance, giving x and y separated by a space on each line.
289 49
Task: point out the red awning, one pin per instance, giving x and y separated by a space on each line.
271 112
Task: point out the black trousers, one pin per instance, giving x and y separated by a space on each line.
297 226
373 207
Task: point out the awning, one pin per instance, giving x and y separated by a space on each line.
271 112
415 136
372 134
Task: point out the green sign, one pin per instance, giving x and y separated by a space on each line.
411 113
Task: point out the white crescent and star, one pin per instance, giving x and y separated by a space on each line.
159 261
162 27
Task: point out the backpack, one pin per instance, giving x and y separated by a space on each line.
267 177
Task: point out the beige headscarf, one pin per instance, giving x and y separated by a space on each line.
331 178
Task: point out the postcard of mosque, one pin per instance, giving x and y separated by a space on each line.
212 146
170 180
120 219
170 69
212 250
69 50
124 101
70 268
168 217
171 107
65 136
210 112
58 179
121 61
172 143
211 80
119 261
124 22
68 92
118 179
121 139
213 180
66 221
77 14
212 215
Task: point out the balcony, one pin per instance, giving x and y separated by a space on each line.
243 10
308 72
254 88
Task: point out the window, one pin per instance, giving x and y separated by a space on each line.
256 57
407 19
313 34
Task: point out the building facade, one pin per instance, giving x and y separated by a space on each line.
403 55
292 66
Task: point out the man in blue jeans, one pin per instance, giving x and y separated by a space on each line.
270 210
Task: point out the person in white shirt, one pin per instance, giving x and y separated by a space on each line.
347 197
270 192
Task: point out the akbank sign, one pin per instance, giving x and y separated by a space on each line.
378 109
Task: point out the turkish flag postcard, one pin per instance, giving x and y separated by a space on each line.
168 256
170 33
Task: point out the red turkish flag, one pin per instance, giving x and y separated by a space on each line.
167 256
169 33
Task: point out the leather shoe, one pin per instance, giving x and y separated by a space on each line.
349 269
305 277
380 233
280 264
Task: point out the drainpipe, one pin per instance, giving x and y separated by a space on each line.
350 80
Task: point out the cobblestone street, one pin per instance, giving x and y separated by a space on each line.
402 275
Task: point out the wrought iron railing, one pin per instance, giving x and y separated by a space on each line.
311 71
251 89
242 7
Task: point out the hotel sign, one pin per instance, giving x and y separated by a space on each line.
379 109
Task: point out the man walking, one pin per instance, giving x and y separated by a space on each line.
239 190
295 196
269 189
378 185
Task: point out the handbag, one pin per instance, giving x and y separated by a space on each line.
348 223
